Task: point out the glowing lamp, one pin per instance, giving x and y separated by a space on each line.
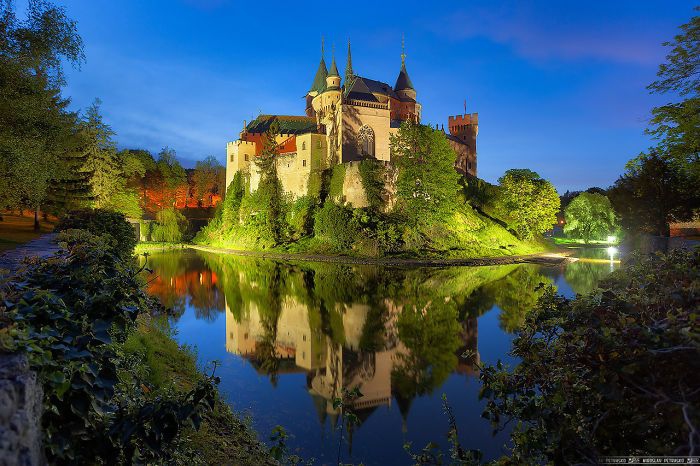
612 239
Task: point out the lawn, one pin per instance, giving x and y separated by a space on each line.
16 230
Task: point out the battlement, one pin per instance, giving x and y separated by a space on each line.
240 142
461 120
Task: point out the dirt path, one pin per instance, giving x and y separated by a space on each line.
542 258
40 247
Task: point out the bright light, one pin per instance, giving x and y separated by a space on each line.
612 250
612 239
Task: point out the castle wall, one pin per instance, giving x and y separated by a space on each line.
377 118
353 191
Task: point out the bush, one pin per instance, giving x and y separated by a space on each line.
170 226
102 222
615 372
71 314
336 225
300 217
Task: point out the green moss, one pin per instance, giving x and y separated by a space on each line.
335 190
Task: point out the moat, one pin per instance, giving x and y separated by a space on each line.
289 338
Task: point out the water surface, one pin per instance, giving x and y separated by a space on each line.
292 338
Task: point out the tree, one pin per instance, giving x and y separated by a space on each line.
652 192
427 183
209 176
173 179
269 191
677 125
529 202
34 124
100 156
590 216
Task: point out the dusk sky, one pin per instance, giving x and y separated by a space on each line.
560 87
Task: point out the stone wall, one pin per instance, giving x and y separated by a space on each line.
20 413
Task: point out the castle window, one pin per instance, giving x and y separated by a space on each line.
470 165
303 163
246 157
365 141
231 156
303 145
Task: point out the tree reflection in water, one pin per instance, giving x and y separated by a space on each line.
395 333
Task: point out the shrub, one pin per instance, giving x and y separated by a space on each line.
300 216
336 225
71 314
372 175
102 222
335 189
614 372
170 226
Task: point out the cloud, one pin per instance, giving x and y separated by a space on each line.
541 35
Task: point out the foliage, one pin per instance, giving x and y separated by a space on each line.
232 202
269 190
300 217
170 226
677 125
209 177
596 368
100 222
372 175
172 176
427 183
433 456
652 192
528 201
71 314
336 225
590 216
337 178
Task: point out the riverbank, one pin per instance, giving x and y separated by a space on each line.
98 343
547 258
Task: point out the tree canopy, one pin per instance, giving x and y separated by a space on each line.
529 202
590 216
427 183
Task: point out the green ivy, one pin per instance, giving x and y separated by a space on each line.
372 175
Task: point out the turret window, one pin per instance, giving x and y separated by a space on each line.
365 141
303 145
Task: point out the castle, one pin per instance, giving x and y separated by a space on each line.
344 123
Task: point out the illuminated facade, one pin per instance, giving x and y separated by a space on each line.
345 121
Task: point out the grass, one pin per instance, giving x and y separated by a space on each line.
16 230
223 438
581 242
143 246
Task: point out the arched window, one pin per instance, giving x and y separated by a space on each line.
365 141
303 145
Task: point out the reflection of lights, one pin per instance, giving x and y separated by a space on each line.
612 250
612 239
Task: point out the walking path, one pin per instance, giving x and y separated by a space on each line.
43 246
541 258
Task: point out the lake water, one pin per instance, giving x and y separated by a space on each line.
292 338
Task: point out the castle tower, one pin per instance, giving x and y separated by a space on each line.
318 85
465 129
404 87
333 78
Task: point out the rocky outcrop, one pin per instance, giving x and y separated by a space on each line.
20 413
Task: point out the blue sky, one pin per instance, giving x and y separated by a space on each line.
559 86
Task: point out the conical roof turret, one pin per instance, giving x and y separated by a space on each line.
403 81
319 83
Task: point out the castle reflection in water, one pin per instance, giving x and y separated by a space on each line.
333 366
394 333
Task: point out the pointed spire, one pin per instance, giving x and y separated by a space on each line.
319 83
403 81
334 67
348 68
403 51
